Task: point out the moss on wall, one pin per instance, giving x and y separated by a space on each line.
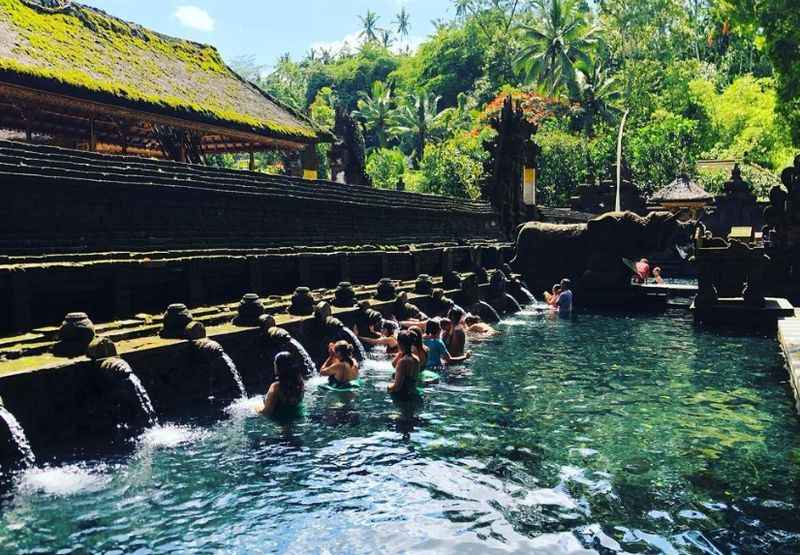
86 48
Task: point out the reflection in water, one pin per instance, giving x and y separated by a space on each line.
598 435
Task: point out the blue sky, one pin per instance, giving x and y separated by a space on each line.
268 28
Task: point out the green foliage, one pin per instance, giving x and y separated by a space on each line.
563 165
375 111
414 123
662 149
454 168
745 123
386 167
350 76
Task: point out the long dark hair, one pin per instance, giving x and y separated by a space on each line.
344 351
405 340
416 336
290 378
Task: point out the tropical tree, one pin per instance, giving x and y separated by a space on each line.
415 121
375 111
386 38
403 22
558 38
369 26
597 93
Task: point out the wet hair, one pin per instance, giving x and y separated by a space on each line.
288 373
433 328
471 319
566 284
344 351
389 326
416 335
556 287
657 270
456 315
445 323
405 340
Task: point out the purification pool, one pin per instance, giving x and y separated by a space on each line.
601 434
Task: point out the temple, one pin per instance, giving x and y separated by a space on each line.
75 77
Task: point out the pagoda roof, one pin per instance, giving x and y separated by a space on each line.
683 189
85 54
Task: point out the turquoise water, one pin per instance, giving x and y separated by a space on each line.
603 434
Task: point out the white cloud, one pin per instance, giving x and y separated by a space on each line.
194 18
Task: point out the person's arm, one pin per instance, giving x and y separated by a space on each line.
270 399
454 360
399 377
387 341
329 367
420 324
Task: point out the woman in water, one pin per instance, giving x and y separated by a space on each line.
408 367
287 392
457 339
340 366
552 298
438 355
388 337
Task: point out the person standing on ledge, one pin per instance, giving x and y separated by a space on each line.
564 302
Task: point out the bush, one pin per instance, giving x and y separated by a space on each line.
454 168
563 165
385 167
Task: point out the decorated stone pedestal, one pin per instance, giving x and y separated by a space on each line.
302 303
175 320
423 285
344 296
387 290
249 311
75 335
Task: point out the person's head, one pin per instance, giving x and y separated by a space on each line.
433 328
644 261
657 271
471 320
446 324
389 328
343 351
566 284
456 315
286 371
556 289
416 335
405 341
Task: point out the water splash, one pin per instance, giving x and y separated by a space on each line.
528 295
351 338
170 436
237 377
64 481
300 351
18 437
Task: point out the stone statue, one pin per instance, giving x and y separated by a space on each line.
347 156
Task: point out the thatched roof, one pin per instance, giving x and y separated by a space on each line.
84 53
682 189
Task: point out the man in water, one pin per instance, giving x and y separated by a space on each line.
564 302
642 271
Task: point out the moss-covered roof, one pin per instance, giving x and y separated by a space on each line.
82 50
682 189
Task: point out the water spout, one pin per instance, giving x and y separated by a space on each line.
18 441
213 353
301 352
348 335
118 366
486 312
524 290
237 377
511 304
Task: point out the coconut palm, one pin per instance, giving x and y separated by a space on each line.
375 111
415 121
386 38
403 22
560 37
597 93
369 24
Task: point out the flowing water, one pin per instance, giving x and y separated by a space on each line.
141 395
237 377
528 295
487 312
18 437
300 351
596 434
348 335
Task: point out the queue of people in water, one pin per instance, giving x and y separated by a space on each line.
414 347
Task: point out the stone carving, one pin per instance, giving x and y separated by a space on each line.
302 303
592 253
75 335
175 320
424 285
344 296
249 311
386 290
348 154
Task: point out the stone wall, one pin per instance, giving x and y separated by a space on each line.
58 200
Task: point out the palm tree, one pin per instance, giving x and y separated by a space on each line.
555 42
386 38
375 111
369 24
415 120
403 22
597 93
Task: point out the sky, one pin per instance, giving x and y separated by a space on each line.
266 29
